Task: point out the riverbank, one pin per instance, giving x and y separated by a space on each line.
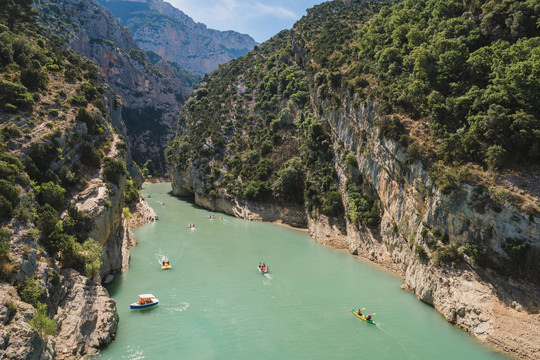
463 297
515 328
214 304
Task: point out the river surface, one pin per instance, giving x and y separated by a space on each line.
214 303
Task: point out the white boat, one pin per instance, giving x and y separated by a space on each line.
263 269
145 301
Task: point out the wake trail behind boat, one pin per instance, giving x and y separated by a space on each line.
381 327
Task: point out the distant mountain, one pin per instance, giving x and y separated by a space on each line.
158 26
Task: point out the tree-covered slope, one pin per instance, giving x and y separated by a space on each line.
453 84
60 141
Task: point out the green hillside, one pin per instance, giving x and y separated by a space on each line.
55 133
455 85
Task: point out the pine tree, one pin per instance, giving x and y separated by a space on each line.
16 12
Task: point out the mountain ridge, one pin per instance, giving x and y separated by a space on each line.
160 27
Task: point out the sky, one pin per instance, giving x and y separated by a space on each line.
261 19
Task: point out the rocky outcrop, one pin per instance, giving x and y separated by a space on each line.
141 214
106 211
17 339
158 26
86 316
187 184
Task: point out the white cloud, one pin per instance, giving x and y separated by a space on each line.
278 11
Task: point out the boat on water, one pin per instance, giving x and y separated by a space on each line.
145 301
166 265
363 318
263 269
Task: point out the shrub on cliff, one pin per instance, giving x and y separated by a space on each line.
77 224
10 193
52 194
6 209
333 204
47 219
289 185
350 160
91 120
5 239
43 324
113 170
30 291
34 79
446 255
91 157
131 193
362 208
90 252
15 95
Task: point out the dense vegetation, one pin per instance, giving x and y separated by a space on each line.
455 83
250 129
55 134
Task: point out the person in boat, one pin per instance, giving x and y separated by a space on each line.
148 300
368 317
359 312
260 266
141 301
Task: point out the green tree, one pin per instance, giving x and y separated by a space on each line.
47 219
16 12
91 253
30 291
52 194
43 324
5 239
290 180
113 169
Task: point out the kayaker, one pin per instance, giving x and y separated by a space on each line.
359 312
368 317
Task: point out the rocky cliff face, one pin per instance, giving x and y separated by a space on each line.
188 184
465 295
158 26
151 100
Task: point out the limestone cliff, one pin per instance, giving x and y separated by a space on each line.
158 26
151 97
479 301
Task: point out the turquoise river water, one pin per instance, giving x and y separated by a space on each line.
214 304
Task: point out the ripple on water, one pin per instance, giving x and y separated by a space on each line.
134 354
179 308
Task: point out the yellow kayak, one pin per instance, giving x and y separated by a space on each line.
363 318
